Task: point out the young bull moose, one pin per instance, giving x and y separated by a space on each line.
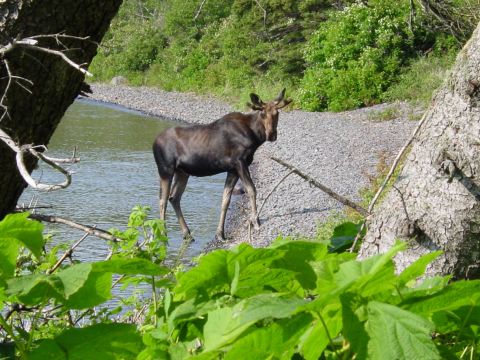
226 145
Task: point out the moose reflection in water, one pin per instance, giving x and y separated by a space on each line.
226 145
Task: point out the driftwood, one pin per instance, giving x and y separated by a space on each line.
325 189
91 230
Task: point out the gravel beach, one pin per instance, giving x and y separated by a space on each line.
337 149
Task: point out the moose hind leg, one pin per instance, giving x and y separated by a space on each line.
244 174
230 182
165 184
180 180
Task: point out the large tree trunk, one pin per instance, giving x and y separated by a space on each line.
435 203
33 117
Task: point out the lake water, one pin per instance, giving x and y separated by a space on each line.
116 172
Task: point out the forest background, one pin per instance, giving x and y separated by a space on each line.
331 55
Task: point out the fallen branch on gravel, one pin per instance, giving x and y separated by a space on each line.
322 187
92 230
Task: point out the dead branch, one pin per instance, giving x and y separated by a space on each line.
199 10
388 177
67 254
20 150
325 189
91 230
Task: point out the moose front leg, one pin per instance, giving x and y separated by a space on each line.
230 182
244 174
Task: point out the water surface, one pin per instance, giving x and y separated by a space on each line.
116 172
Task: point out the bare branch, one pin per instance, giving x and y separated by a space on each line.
325 189
199 9
91 230
388 177
67 254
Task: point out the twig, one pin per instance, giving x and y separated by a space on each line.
91 230
389 176
274 188
67 254
199 10
325 189
264 14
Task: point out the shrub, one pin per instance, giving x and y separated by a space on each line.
355 56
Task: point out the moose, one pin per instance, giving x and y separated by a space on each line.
225 145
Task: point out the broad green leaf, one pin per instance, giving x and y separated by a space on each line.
398 334
7 350
417 269
298 258
215 272
28 232
354 317
9 248
260 344
454 296
135 266
101 341
95 290
225 324
276 340
16 230
371 276
322 330
35 289
343 236
326 269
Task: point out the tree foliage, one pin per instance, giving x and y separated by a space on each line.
333 55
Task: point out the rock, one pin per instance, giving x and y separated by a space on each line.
118 80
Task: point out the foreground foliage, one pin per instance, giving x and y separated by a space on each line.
293 299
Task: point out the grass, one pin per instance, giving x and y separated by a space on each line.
421 79
390 113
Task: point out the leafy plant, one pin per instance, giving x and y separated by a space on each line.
294 299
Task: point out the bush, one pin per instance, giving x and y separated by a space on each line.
355 56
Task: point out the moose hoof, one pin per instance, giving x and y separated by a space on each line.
220 237
188 237
255 223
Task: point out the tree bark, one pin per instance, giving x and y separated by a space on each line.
435 203
33 117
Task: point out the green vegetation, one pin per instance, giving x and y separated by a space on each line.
294 299
331 55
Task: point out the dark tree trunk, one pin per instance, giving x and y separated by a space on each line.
33 117
435 203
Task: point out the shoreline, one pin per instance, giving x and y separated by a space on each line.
338 149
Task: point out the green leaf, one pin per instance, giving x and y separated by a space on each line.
417 269
225 324
35 289
214 274
354 317
135 266
454 296
16 230
398 334
299 256
371 276
277 340
343 236
316 339
101 341
28 232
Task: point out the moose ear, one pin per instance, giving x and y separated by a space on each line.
280 96
256 104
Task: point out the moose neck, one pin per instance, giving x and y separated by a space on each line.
256 125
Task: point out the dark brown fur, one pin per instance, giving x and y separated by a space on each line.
226 145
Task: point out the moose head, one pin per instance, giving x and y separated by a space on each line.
269 112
